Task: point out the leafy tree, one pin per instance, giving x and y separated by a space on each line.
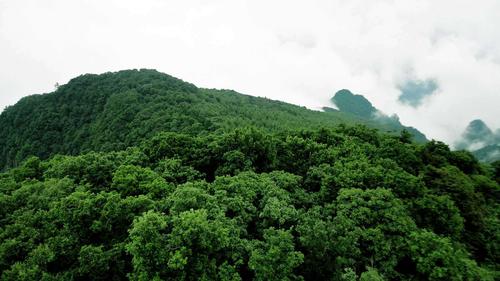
148 254
234 162
439 214
275 258
371 275
94 263
134 180
370 228
173 171
437 258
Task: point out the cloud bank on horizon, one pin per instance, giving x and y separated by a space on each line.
434 63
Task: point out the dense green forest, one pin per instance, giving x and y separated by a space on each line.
113 111
327 204
221 186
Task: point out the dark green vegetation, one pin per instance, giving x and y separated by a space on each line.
359 106
337 204
187 187
481 140
113 111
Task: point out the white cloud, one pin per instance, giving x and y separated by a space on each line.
296 51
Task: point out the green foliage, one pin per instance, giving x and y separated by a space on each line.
439 214
347 203
496 170
173 171
371 275
184 246
437 258
133 180
147 246
275 258
370 227
172 182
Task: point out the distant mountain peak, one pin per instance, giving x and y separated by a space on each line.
478 126
476 135
361 107
358 105
481 140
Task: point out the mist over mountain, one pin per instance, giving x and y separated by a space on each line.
359 106
481 140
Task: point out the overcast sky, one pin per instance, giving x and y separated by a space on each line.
434 63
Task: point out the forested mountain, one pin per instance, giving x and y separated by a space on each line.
172 182
113 111
481 140
359 106
355 104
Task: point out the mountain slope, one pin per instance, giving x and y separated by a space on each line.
113 111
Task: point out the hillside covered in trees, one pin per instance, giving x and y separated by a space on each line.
113 111
213 185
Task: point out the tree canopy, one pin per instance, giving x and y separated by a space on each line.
342 203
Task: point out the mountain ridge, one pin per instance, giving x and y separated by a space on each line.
115 110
